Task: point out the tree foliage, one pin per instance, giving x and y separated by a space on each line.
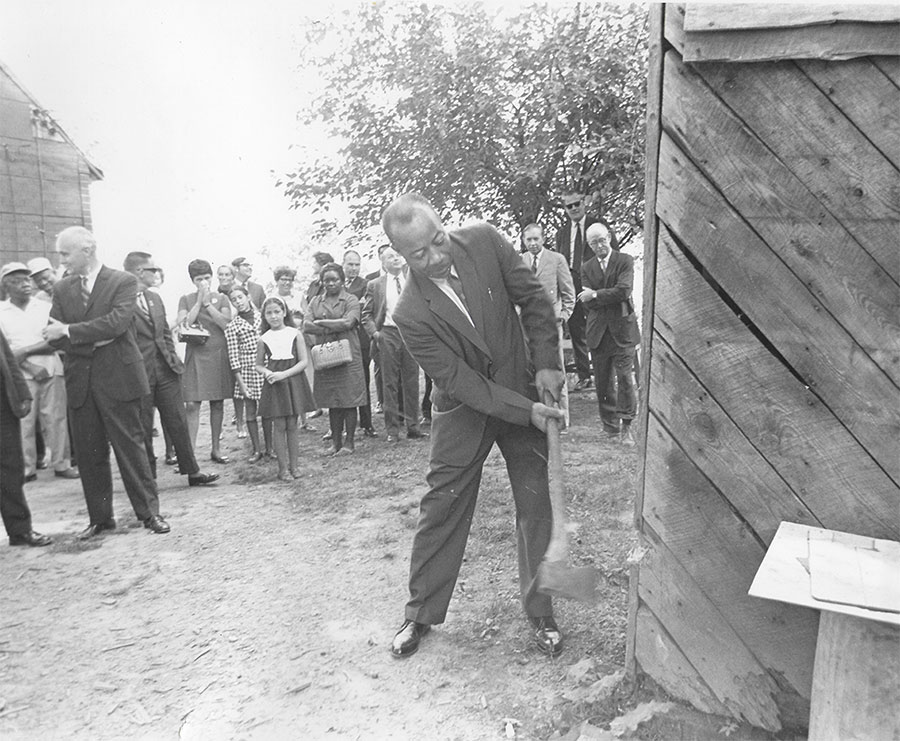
488 114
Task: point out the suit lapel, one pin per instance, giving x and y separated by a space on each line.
442 307
99 286
469 279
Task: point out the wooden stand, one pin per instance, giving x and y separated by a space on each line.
856 677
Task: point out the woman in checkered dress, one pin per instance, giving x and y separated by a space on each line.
242 336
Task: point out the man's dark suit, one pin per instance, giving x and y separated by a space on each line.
255 291
483 393
612 334
576 322
164 369
397 365
105 380
357 287
13 393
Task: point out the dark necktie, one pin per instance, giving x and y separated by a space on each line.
456 285
142 305
85 291
534 261
578 252
399 287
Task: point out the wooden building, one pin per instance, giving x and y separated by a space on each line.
772 328
44 177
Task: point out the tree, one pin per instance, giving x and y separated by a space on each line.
488 116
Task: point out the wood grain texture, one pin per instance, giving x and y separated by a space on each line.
845 278
817 348
717 548
856 685
661 658
719 448
889 66
19 158
674 27
737 16
815 141
842 41
784 422
734 676
865 96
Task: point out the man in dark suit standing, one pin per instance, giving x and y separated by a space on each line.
357 286
399 372
458 318
92 321
243 269
571 243
612 332
164 369
15 403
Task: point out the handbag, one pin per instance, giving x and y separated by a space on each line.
330 354
193 334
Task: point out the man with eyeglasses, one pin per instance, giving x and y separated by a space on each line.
571 243
243 269
164 369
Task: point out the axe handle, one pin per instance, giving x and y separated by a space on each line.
558 549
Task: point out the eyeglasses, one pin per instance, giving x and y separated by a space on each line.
573 204
151 270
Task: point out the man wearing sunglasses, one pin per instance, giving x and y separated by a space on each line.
571 243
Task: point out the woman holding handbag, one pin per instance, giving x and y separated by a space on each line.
331 322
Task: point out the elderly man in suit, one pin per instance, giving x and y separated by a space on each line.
458 318
164 369
612 332
399 372
553 273
92 321
15 403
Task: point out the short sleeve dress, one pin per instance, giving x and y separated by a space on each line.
342 386
207 372
292 396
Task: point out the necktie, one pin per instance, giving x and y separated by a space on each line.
578 252
142 305
85 291
397 283
456 285
534 260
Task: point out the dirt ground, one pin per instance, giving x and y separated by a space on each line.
267 612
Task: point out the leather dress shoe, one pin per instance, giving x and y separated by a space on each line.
171 460
416 435
547 636
583 384
202 479
255 458
327 436
69 473
30 477
406 642
216 458
93 530
157 524
30 538
390 439
369 432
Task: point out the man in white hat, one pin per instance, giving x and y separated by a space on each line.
22 318
44 277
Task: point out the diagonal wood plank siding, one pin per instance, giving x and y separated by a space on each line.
773 368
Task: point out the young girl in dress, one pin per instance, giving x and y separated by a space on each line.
242 337
281 358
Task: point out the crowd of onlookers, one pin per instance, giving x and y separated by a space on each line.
289 354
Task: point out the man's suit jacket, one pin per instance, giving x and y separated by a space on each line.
563 244
485 370
358 287
154 338
108 319
554 275
374 306
612 309
12 382
256 293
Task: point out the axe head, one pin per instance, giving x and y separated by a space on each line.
558 579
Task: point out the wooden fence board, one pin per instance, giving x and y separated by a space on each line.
674 26
844 41
811 136
661 658
817 348
720 553
732 16
781 210
719 448
868 98
706 640
889 66
19 159
810 449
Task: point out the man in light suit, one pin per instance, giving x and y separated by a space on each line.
571 243
91 320
458 318
612 332
553 273
399 372
164 369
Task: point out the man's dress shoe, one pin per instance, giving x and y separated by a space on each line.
30 477
416 435
406 642
369 432
547 636
31 538
92 530
69 473
157 524
171 460
202 479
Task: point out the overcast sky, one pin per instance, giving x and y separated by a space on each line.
186 106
